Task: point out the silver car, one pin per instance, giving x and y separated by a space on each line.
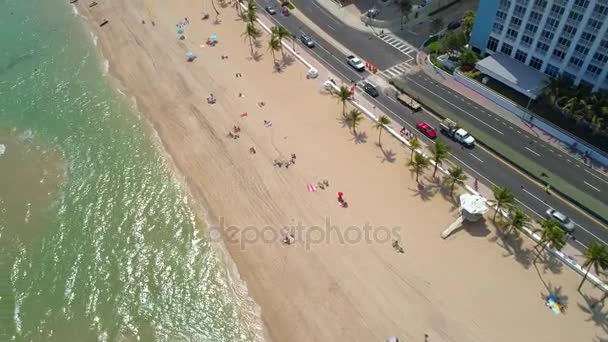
564 222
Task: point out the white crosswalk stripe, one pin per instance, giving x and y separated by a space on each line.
397 43
396 70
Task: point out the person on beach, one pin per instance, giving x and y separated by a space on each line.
402 131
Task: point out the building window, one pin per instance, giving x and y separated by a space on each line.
526 40
557 10
551 24
593 70
594 25
540 4
600 10
521 56
504 4
569 76
511 34
501 16
497 28
515 22
588 37
582 50
559 54
599 57
542 47
492 44
506 49
519 11
535 17
547 35
531 28
604 44
551 70
576 62
581 3
563 42
569 31
536 63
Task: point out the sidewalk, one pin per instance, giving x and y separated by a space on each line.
447 80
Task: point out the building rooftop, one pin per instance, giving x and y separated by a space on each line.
514 74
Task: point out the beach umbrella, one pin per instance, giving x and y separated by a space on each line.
213 37
180 31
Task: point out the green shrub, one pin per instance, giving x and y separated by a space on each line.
436 48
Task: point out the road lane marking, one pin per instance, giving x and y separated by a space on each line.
474 156
324 12
331 27
532 210
532 151
462 110
596 176
535 197
596 189
590 233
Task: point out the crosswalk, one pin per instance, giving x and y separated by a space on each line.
397 43
396 70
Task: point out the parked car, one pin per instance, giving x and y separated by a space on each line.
370 89
355 63
454 25
426 129
271 10
307 40
564 222
372 13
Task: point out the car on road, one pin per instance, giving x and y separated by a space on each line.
370 89
372 13
454 25
355 63
562 220
271 10
307 40
426 129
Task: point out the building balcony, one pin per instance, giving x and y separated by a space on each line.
540 52
573 22
522 2
561 2
534 21
503 8
598 16
579 9
592 29
545 40
499 20
525 44
568 35
529 33
539 9
579 55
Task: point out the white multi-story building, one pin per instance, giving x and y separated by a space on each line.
566 37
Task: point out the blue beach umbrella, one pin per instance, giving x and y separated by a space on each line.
180 31
213 37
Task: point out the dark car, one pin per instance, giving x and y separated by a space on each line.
370 89
307 40
454 25
426 129
271 10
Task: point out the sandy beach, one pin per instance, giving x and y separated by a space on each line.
340 280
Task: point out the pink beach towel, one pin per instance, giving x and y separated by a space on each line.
311 187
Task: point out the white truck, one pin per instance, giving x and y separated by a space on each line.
355 63
450 129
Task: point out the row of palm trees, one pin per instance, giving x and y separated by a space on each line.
278 33
551 234
580 103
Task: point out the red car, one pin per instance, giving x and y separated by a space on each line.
426 129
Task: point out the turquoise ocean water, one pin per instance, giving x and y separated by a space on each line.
97 241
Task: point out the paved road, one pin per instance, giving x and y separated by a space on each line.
476 161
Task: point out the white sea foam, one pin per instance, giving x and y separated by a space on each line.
2 149
106 67
94 36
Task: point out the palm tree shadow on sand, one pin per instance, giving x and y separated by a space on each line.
287 60
514 246
422 190
255 56
387 155
558 292
359 137
596 312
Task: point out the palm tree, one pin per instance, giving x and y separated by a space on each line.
274 45
503 198
455 176
251 11
354 117
250 32
419 163
596 256
344 95
280 32
405 7
552 235
383 121
517 220
440 152
414 145
467 59
468 19
555 88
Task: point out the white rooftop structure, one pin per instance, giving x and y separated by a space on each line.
513 74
